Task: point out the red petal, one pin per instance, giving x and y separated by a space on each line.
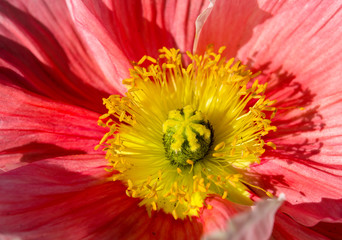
303 185
34 128
330 230
309 214
285 228
41 51
121 31
70 198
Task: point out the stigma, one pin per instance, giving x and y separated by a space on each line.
187 136
182 133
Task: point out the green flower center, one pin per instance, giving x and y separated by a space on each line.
187 136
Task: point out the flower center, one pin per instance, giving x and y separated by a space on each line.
161 142
187 136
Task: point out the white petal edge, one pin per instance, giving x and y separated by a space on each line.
200 22
256 224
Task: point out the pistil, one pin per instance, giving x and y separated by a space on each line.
187 136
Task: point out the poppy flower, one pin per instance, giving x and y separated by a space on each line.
201 109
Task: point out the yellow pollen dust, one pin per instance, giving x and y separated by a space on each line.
183 133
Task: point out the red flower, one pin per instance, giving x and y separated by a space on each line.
58 60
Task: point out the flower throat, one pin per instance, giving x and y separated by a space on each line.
181 134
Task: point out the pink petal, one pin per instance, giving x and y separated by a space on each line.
292 36
301 42
296 34
256 224
309 144
34 128
304 186
41 52
230 24
70 198
291 42
118 32
313 135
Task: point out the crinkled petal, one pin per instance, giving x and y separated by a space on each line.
71 198
33 128
303 185
29 193
291 43
285 228
118 32
41 51
296 35
298 38
312 136
309 214
307 162
256 224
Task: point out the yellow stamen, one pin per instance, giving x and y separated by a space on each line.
271 144
225 194
219 146
182 133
